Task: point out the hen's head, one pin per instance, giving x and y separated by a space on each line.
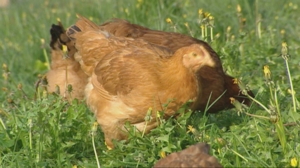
196 56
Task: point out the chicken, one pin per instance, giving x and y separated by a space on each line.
194 156
65 73
128 77
213 79
217 87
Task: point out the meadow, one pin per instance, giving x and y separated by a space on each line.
257 41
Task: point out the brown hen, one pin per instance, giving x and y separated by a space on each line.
193 156
65 75
216 85
213 79
130 76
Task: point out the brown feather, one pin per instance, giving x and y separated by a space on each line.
130 76
214 81
64 70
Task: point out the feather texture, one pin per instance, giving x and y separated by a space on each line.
217 87
127 77
64 70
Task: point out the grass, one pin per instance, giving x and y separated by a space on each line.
41 130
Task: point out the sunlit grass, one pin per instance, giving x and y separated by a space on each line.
41 130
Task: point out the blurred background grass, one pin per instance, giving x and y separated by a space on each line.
244 50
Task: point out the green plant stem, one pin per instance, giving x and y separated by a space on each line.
2 123
205 29
46 58
144 130
271 92
202 32
279 127
211 34
30 139
257 116
241 156
94 148
291 85
259 103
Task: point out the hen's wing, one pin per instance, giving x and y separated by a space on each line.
194 156
93 44
121 90
64 70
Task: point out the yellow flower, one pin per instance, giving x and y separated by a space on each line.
202 27
5 76
238 8
221 141
186 24
4 67
64 48
43 41
228 29
126 11
191 129
235 81
206 14
168 20
284 44
94 127
163 154
267 72
294 162
158 114
46 64
200 11
284 49
291 92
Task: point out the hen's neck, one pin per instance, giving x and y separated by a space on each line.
178 81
